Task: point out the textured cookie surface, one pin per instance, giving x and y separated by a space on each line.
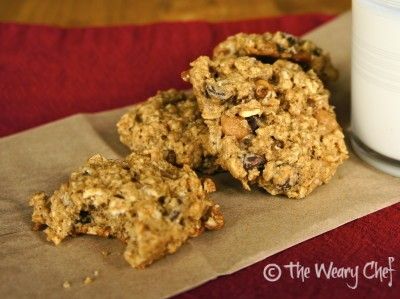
168 126
270 124
268 47
151 205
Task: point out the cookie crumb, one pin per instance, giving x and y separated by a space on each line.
96 273
66 285
88 280
209 185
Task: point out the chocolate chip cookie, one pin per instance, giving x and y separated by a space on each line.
268 47
168 126
270 125
151 205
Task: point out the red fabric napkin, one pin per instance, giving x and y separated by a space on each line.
47 73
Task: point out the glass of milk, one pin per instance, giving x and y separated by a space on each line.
375 108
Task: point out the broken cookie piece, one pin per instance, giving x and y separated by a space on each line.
270 125
269 47
168 126
151 205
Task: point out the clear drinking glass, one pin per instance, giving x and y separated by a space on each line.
375 83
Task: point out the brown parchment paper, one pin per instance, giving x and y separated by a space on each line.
257 225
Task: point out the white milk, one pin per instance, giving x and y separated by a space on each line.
375 115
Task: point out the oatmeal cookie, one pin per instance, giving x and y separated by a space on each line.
153 206
270 125
268 47
168 126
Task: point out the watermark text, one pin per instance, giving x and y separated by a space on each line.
351 276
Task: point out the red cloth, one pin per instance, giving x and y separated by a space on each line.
47 73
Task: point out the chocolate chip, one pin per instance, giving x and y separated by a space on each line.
138 118
285 105
291 40
84 217
306 66
279 144
317 51
265 59
214 73
253 161
171 157
161 200
274 79
313 152
119 196
246 141
253 122
134 177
